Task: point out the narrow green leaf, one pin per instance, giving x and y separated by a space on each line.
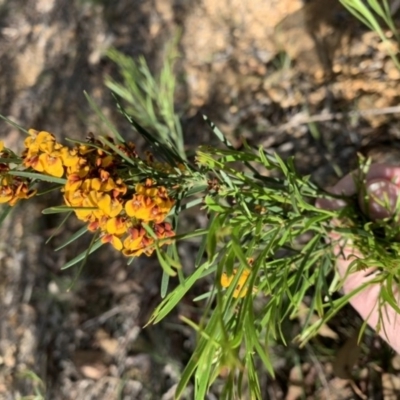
59 227
164 263
164 284
82 255
118 151
106 121
173 298
6 209
10 160
218 133
64 209
203 296
14 124
84 260
39 177
72 238
46 191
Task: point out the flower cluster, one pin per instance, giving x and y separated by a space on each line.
12 188
96 189
43 153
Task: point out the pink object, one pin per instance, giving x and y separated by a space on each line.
382 180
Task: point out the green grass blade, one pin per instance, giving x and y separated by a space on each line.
164 284
64 209
74 237
38 176
4 213
59 227
14 124
83 255
106 121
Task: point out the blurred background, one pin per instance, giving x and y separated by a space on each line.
302 78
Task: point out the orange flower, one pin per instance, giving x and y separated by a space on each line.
136 243
43 153
74 182
81 168
6 194
51 164
161 209
105 162
147 189
116 226
106 185
164 230
41 142
22 192
150 203
114 240
98 224
69 157
120 188
240 291
133 242
89 210
110 207
140 207
74 198
13 189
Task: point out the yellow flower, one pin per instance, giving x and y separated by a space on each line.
6 194
93 184
74 198
133 243
31 160
41 141
89 210
51 164
81 168
74 182
162 209
240 291
1 146
69 157
147 189
136 243
110 207
140 207
106 185
43 153
106 161
22 192
116 226
120 188
13 189
114 240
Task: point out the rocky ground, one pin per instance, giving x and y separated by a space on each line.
302 78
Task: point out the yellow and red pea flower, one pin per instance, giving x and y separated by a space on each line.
135 243
43 153
13 188
96 191
113 239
